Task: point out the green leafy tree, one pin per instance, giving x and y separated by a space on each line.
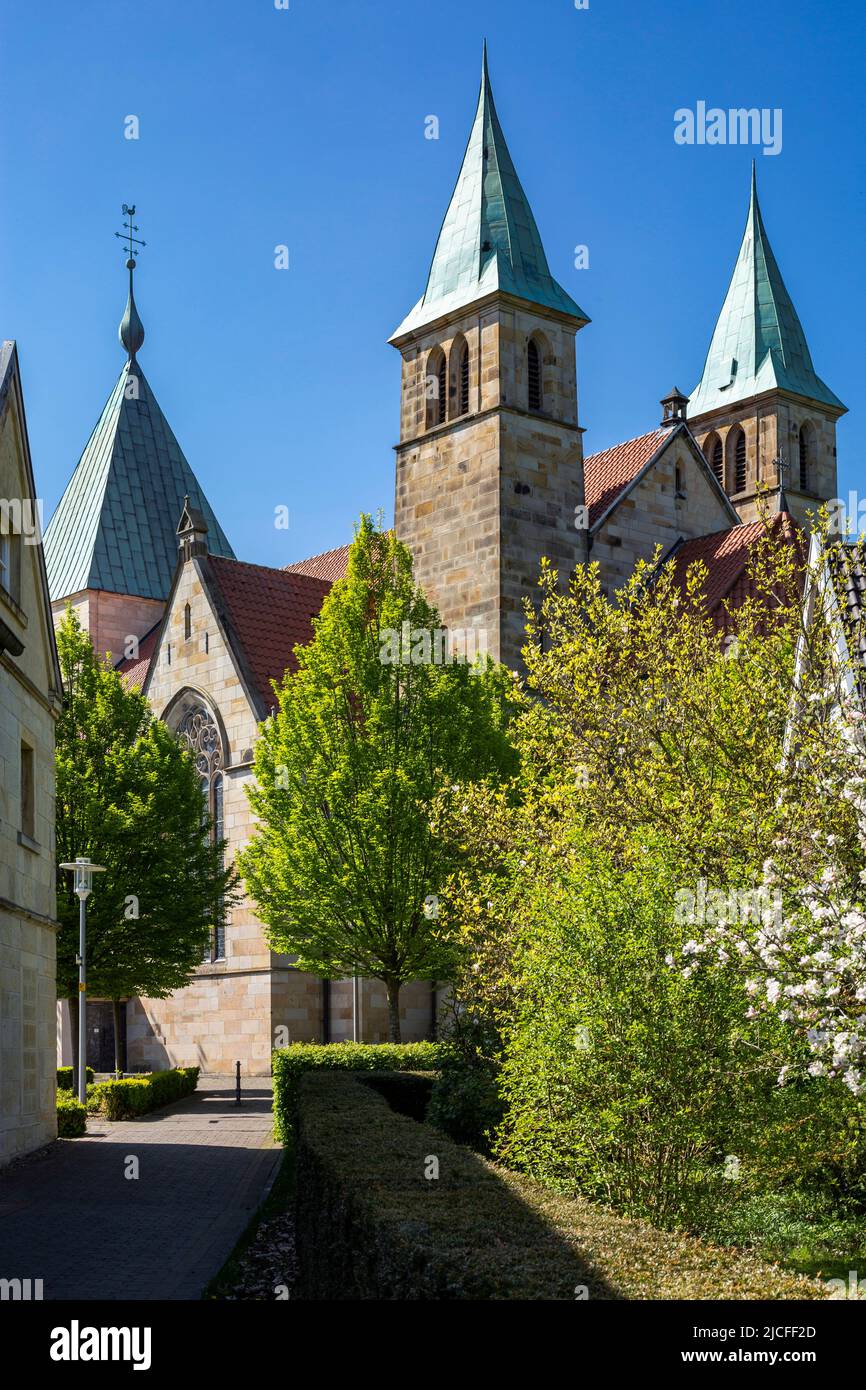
369 730
128 798
653 788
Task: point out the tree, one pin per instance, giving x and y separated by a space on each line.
128 798
654 786
374 724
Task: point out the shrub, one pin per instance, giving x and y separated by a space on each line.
290 1063
407 1092
66 1078
71 1116
465 1101
122 1100
372 1223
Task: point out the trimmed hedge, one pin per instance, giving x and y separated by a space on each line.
71 1116
289 1064
131 1096
66 1078
371 1225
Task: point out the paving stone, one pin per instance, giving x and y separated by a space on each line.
70 1216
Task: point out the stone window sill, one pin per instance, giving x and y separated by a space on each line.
27 842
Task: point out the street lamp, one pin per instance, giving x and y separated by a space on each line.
83 872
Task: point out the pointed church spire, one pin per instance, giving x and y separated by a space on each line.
758 344
114 528
489 239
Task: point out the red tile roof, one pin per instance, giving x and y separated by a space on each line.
268 612
607 474
330 565
726 556
134 669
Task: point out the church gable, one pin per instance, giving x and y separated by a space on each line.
191 651
669 495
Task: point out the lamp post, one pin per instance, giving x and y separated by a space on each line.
83 872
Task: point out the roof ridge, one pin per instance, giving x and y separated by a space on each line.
282 570
635 439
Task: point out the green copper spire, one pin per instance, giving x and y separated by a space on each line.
489 240
759 344
115 525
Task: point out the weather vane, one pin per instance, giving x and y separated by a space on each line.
131 241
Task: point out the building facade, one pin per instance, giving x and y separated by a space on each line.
30 693
491 477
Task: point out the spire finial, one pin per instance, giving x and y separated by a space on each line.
485 73
131 330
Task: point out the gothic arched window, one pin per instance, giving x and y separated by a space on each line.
436 388
195 726
807 457
737 460
533 376
716 457
463 382
187 622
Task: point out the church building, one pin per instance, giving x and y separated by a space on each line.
490 477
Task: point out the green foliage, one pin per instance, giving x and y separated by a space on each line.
136 1095
650 758
624 1080
128 798
71 1116
66 1078
289 1064
344 859
466 1101
372 1225
407 1092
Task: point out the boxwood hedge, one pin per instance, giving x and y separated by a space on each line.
290 1063
373 1222
136 1095
71 1116
66 1078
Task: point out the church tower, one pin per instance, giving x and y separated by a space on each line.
111 545
489 463
760 413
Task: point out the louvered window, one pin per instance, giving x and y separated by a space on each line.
533 361
805 458
717 460
740 462
464 381
443 393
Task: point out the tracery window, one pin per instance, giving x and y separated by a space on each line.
198 730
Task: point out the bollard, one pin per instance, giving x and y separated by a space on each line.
237 1083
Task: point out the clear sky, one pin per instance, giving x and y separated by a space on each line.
306 127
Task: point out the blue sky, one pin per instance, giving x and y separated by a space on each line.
305 127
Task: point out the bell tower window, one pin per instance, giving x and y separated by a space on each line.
716 456
737 457
436 388
806 457
533 375
463 383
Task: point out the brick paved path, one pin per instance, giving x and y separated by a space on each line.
71 1218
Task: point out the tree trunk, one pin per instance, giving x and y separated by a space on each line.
393 988
115 1008
73 1023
